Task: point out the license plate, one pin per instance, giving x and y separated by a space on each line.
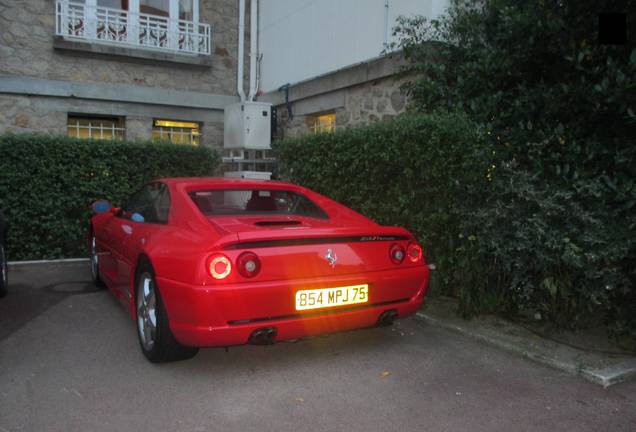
328 297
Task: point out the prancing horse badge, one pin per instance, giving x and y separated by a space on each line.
332 258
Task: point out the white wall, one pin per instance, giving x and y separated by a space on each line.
300 39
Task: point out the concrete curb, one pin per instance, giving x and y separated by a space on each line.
46 262
604 376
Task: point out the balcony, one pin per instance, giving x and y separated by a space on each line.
102 25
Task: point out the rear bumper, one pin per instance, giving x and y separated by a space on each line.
227 315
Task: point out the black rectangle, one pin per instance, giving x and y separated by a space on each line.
612 28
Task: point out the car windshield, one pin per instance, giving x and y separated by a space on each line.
219 202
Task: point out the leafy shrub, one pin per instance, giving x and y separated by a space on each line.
426 172
47 184
559 227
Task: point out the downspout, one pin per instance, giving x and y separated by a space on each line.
241 49
253 48
386 23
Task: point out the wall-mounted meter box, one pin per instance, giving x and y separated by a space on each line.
248 125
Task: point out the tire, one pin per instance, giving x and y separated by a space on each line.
4 271
153 330
94 260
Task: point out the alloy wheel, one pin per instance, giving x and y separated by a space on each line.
3 266
94 260
146 311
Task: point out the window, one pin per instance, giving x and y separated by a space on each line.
95 127
151 204
186 10
178 132
255 201
113 4
322 123
175 9
155 7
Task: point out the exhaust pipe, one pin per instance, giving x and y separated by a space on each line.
263 336
387 317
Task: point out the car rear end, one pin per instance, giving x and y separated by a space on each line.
287 274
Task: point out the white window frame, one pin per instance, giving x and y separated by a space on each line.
133 8
118 133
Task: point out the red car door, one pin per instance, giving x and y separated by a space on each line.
142 217
137 235
109 247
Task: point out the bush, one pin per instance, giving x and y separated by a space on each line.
426 172
559 228
47 184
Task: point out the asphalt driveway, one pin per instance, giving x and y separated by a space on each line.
70 361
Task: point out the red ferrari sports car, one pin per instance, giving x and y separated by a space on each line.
204 262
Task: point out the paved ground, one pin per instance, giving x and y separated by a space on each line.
588 354
70 362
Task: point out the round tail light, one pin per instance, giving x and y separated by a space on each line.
248 264
396 253
414 252
219 266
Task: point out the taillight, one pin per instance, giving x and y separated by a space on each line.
414 252
396 253
219 266
248 264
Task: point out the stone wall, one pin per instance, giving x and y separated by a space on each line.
22 114
358 95
52 75
29 114
379 100
27 49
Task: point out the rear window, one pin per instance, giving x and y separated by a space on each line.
221 202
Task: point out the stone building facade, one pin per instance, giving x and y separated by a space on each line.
361 94
56 80
50 78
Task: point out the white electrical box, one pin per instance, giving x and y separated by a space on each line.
248 125
257 175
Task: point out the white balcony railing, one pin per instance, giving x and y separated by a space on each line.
121 27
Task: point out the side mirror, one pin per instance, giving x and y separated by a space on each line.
101 206
136 217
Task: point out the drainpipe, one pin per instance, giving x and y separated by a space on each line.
241 43
386 23
253 48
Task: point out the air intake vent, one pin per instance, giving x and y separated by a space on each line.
277 223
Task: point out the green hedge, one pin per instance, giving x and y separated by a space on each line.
501 242
560 223
47 184
423 172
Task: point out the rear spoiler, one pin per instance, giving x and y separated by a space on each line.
313 240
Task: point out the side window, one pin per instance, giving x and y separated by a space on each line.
152 203
163 204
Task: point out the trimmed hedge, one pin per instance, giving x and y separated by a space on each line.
425 172
47 184
500 243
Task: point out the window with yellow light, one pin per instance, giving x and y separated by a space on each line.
95 127
176 131
322 123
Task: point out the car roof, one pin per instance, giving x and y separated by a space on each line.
201 182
